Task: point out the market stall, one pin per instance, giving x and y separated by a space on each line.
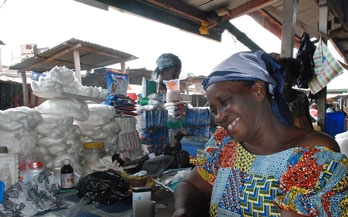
93 129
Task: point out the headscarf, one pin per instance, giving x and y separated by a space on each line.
164 61
253 66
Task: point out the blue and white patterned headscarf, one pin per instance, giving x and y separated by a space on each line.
252 66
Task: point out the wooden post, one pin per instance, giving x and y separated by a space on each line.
123 66
323 18
25 89
77 65
0 59
288 28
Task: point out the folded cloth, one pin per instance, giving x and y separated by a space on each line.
326 68
35 196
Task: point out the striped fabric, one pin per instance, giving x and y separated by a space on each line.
326 68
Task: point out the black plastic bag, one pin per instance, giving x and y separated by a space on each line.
305 55
104 187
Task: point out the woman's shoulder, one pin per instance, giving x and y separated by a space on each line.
313 138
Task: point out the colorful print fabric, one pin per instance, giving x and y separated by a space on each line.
308 181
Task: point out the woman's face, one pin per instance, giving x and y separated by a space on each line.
234 107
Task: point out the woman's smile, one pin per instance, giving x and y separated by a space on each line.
233 124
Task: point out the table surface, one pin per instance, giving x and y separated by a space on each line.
163 198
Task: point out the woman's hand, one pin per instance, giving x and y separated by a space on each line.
181 212
192 196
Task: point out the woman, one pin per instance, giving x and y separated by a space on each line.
168 68
257 163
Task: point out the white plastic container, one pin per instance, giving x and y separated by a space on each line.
9 169
141 193
92 152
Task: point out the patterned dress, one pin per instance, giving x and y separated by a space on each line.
308 181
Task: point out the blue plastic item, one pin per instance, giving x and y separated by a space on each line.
334 123
2 190
192 143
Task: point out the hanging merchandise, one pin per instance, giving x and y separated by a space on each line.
305 55
326 68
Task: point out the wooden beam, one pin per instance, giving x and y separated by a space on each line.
0 60
77 65
267 22
103 53
241 36
323 18
177 8
288 28
52 57
299 24
339 32
25 89
271 24
246 8
66 63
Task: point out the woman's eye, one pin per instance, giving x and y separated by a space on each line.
225 101
213 111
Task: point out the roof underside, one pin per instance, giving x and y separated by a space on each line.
192 15
91 56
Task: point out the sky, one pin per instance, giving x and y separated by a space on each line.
48 23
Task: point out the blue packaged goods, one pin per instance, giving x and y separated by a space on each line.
156 137
204 131
199 122
156 118
116 82
192 143
198 116
152 128
36 75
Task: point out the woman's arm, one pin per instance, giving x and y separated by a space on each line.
192 196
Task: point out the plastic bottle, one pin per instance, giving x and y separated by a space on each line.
67 175
28 171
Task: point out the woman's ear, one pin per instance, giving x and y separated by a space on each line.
259 88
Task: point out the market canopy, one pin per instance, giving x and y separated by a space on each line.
90 56
73 54
210 18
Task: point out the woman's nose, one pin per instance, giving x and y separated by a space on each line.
219 117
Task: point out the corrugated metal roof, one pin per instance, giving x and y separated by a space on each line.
91 56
